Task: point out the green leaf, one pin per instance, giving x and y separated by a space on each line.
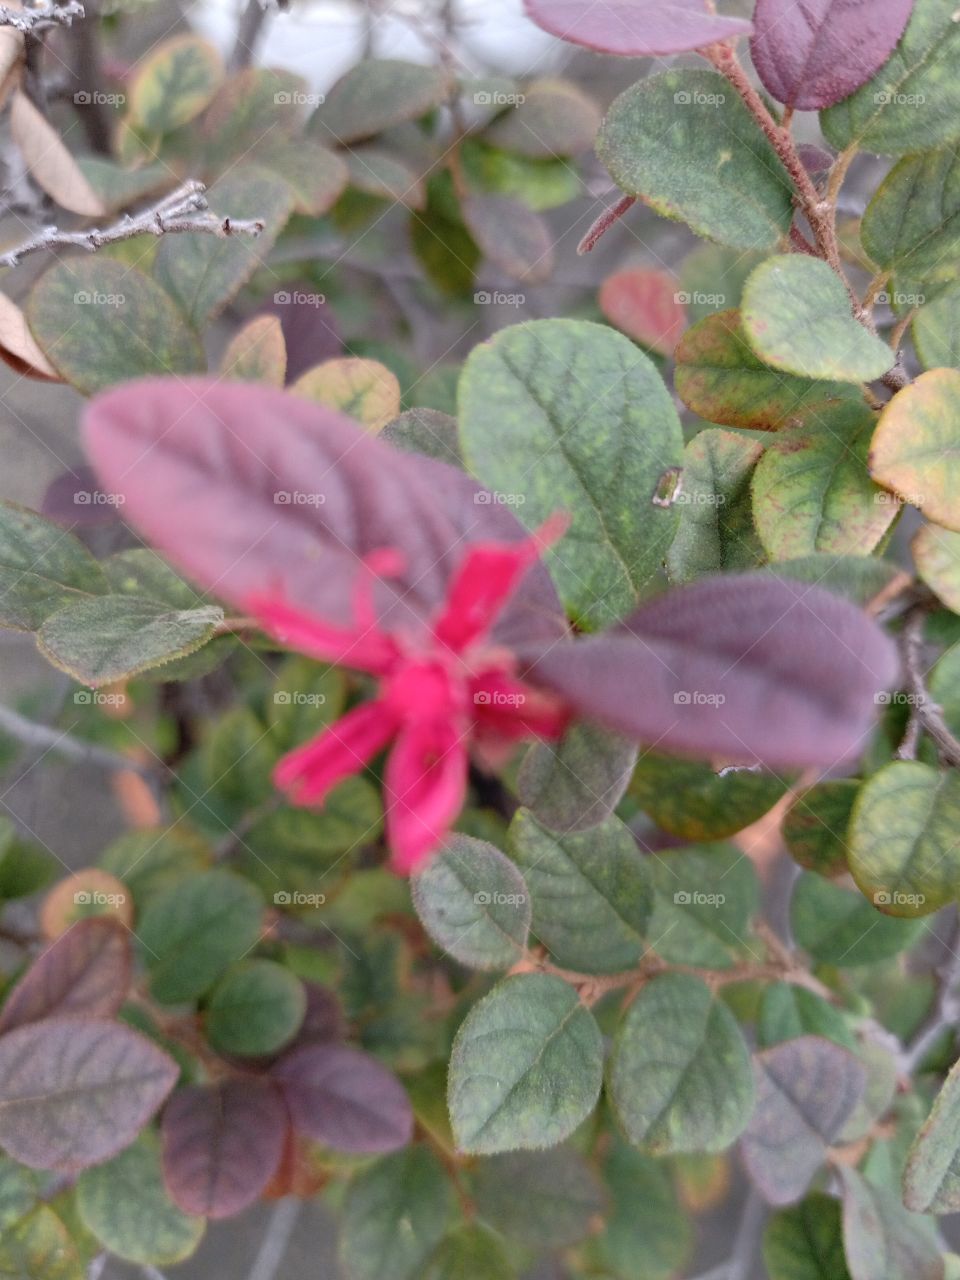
102 322
115 637
916 446
380 174
716 520
576 783
936 553
931 1180
540 1199
915 95
363 389
190 933
839 927
713 277
425 431
883 1239
394 1214
19 1192
174 84
526 1067
680 1077
375 95
316 175
687 145
538 184
805 1242
788 1011
815 826
796 316
857 578
704 901
125 1204
565 414
255 1009
118 187
552 118
257 109
203 273
720 378
38 1247
42 568
470 1253
936 330
693 801
474 903
903 838
647 1235
591 893
912 224
305 698
811 490
141 572
511 236
154 858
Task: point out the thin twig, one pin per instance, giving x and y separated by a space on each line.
945 1013
183 210
41 17
279 1230
924 710
51 739
249 31
605 222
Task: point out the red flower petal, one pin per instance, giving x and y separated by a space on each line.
426 783
487 577
311 771
510 709
364 648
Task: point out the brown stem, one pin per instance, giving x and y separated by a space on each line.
925 714
605 222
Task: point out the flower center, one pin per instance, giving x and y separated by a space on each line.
425 691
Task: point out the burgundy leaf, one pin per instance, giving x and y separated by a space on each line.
86 971
323 1020
346 1099
222 1144
74 1092
310 330
74 498
813 53
635 28
816 160
807 1089
254 491
742 668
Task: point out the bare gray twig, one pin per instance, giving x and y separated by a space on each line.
946 1010
51 739
42 16
185 209
925 713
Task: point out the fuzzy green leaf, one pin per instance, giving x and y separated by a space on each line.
43 568
912 224
255 1009
840 927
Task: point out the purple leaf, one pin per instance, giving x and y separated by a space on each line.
346 1099
74 1092
323 1021
222 1143
635 28
86 971
252 490
745 668
310 329
810 54
75 499
807 1089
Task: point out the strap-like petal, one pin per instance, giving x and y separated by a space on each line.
426 783
309 773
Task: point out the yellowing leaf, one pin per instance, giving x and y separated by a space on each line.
175 83
257 353
18 347
916 447
50 163
364 389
